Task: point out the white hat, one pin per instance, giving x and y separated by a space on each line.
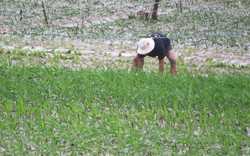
145 45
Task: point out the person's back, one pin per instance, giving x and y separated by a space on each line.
161 36
162 45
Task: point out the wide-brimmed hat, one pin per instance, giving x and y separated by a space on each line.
145 45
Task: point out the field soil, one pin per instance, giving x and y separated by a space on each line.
120 54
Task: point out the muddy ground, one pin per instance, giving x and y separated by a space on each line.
118 54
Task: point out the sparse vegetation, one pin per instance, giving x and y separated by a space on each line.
200 23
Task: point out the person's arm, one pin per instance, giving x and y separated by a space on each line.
138 62
161 65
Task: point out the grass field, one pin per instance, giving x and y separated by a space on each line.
59 111
67 87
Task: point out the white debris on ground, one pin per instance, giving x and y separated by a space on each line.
114 50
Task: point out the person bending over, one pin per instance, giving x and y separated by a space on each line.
153 45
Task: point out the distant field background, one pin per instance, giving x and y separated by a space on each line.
67 87
212 33
212 22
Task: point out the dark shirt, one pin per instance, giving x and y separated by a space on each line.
162 46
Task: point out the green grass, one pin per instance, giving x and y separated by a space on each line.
60 111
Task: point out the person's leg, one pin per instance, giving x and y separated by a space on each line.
138 61
172 59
